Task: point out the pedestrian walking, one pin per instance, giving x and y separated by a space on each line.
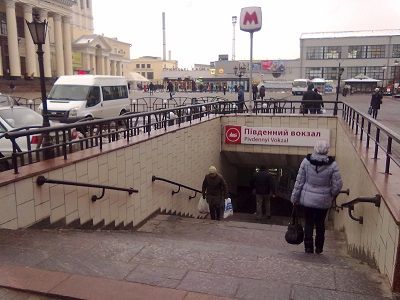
262 92
262 186
255 91
318 182
170 88
307 99
240 99
224 89
151 88
319 104
376 101
215 191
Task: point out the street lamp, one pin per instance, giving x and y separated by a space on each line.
383 77
340 72
38 32
239 72
234 21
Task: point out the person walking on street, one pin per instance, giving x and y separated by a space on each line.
262 186
376 101
262 92
170 88
151 88
255 92
240 99
318 182
306 100
215 191
224 89
319 104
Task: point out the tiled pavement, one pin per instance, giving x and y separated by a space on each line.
179 258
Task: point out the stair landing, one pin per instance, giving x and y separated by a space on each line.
173 257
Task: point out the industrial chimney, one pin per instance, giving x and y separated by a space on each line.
164 43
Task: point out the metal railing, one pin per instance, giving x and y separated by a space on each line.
179 185
376 200
42 180
369 129
84 134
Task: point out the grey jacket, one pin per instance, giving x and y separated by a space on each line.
317 182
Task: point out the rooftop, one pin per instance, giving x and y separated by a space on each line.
341 34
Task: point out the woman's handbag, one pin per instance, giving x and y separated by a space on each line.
295 233
370 110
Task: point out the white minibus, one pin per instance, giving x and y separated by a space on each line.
75 97
299 86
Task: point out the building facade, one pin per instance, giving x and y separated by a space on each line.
374 53
69 23
151 67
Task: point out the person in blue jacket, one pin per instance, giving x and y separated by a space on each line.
318 182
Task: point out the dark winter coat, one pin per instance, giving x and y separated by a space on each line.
262 92
214 188
309 95
376 100
317 182
240 95
262 183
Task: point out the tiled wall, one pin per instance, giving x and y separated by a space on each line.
376 240
182 155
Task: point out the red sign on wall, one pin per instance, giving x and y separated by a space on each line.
233 134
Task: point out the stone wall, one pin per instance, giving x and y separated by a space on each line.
376 239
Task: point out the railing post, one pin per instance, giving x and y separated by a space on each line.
388 153
64 145
357 120
378 130
362 128
368 134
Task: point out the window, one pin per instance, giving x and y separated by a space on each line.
20 27
143 74
315 53
375 51
354 71
356 52
88 3
374 72
81 2
148 66
114 92
330 73
143 66
150 75
396 50
312 73
93 96
332 52
394 73
3 24
137 66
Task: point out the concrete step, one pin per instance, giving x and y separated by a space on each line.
230 259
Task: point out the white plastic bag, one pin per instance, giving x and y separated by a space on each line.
203 206
228 211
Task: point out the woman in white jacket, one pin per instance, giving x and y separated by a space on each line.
317 184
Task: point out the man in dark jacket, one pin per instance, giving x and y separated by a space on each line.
262 92
170 88
214 190
308 96
263 188
255 92
376 101
319 104
240 99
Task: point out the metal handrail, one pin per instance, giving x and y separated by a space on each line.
361 123
350 205
42 180
154 178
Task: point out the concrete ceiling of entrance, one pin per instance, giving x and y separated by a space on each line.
242 159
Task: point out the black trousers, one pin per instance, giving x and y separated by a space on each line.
374 113
216 211
314 217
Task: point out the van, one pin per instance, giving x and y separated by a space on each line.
76 97
299 86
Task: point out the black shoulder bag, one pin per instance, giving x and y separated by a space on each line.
295 233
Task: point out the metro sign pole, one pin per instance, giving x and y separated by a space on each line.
251 21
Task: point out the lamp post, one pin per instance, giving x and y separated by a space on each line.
340 72
383 77
239 72
38 32
234 21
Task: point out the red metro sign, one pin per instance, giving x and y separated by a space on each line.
250 19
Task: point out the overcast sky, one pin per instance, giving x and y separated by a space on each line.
198 31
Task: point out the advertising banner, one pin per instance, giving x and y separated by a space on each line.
277 136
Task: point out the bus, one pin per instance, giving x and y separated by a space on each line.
299 86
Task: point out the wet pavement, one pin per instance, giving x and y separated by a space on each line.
181 258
